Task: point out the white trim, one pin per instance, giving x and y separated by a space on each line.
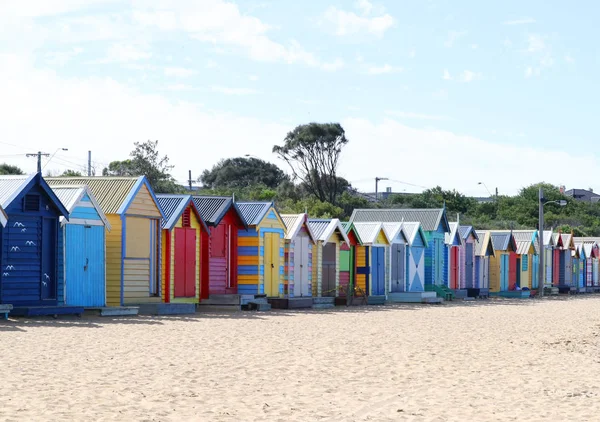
331 228
374 234
83 190
83 221
292 232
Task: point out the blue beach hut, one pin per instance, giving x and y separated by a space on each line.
84 246
31 263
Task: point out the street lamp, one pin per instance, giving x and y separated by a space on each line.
486 188
543 202
251 156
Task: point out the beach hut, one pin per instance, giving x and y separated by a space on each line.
84 246
299 243
261 250
592 253
31 259
435 225
566 247
503 275
398 249
225 220
416 248
348 262
549 239
467 256
326 270
133 259
453 243
3 217
375 238
579 267
556 253
484 249
182 254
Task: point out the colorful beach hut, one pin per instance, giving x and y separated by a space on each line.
133 246
435 225
454 243
182 252
592 253
503 275
31 259
225 220
3 217
298 256
84 246
374 237
549 240
467 256
326 270
348 262
261 250
566 247
416 248
484 249
398 251
579 267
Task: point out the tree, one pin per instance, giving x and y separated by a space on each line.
146 161
6 169
313 152
71 173
242 172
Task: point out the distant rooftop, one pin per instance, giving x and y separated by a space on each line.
585 195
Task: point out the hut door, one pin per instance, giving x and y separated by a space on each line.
378 271
469 265
535 272
568 267
301 266
518 274
504 259
271 263
185 262
328 287
398 255
454 274
49 250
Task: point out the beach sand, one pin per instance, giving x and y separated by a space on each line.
470 361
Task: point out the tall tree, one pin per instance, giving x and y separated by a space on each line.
146 161
313 153
71 173
6 169
242 172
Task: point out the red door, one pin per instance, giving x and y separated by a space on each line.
512 271
454 267
185 262
556 267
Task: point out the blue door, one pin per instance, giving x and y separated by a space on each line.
504 273
378 271
49 251
85 269
535 273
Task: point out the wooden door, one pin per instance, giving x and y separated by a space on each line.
568 268
301 252
185 262
469 270
535 271
378 271
556 266
398 254
271 264
512 271
328 284
49 251
454 262
504 270
518 272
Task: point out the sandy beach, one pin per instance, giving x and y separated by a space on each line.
488 360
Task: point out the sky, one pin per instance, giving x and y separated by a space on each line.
431 92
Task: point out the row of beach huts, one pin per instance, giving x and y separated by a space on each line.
111 245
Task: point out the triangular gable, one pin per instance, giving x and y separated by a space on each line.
352 234
173 217
83 191
395 232
569 243
334 226
300 221
453 238
484 245
139 184
372 233
468 231
273 215
3 217
414 230
28 183
443 220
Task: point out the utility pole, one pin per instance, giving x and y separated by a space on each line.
496 194
39 159
190 179
377 179
89 163
542 267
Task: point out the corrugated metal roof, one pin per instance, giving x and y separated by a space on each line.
548 238
293 224
454 235
466 231
430 219
369 232
318 226
411 230
392 230
9 187
523 247
70 196
110 192
290 219
3 217
172 207
254 212
567 240
212 208
482 243
323 229
500 240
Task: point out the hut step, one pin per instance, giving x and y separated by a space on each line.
4 310
47 310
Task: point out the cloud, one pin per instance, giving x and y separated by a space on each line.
180 87
253 78
454 36
124 53
535 43
540 54
65 108
412 53
446 148
333 66
61 58
380 70
349 23
569 58
233 91
446 75
522 21
179 72
415 116
470 76
365 6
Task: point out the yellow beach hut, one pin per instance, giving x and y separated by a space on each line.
133 244
326 269
377 243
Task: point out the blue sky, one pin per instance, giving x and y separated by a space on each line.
429 92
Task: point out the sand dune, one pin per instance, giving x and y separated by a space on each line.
499 360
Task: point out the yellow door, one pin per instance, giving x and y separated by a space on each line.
271 255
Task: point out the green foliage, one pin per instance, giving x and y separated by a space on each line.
7 169
313 152
146 161
71 173
242 172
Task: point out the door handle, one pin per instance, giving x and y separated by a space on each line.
272 266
